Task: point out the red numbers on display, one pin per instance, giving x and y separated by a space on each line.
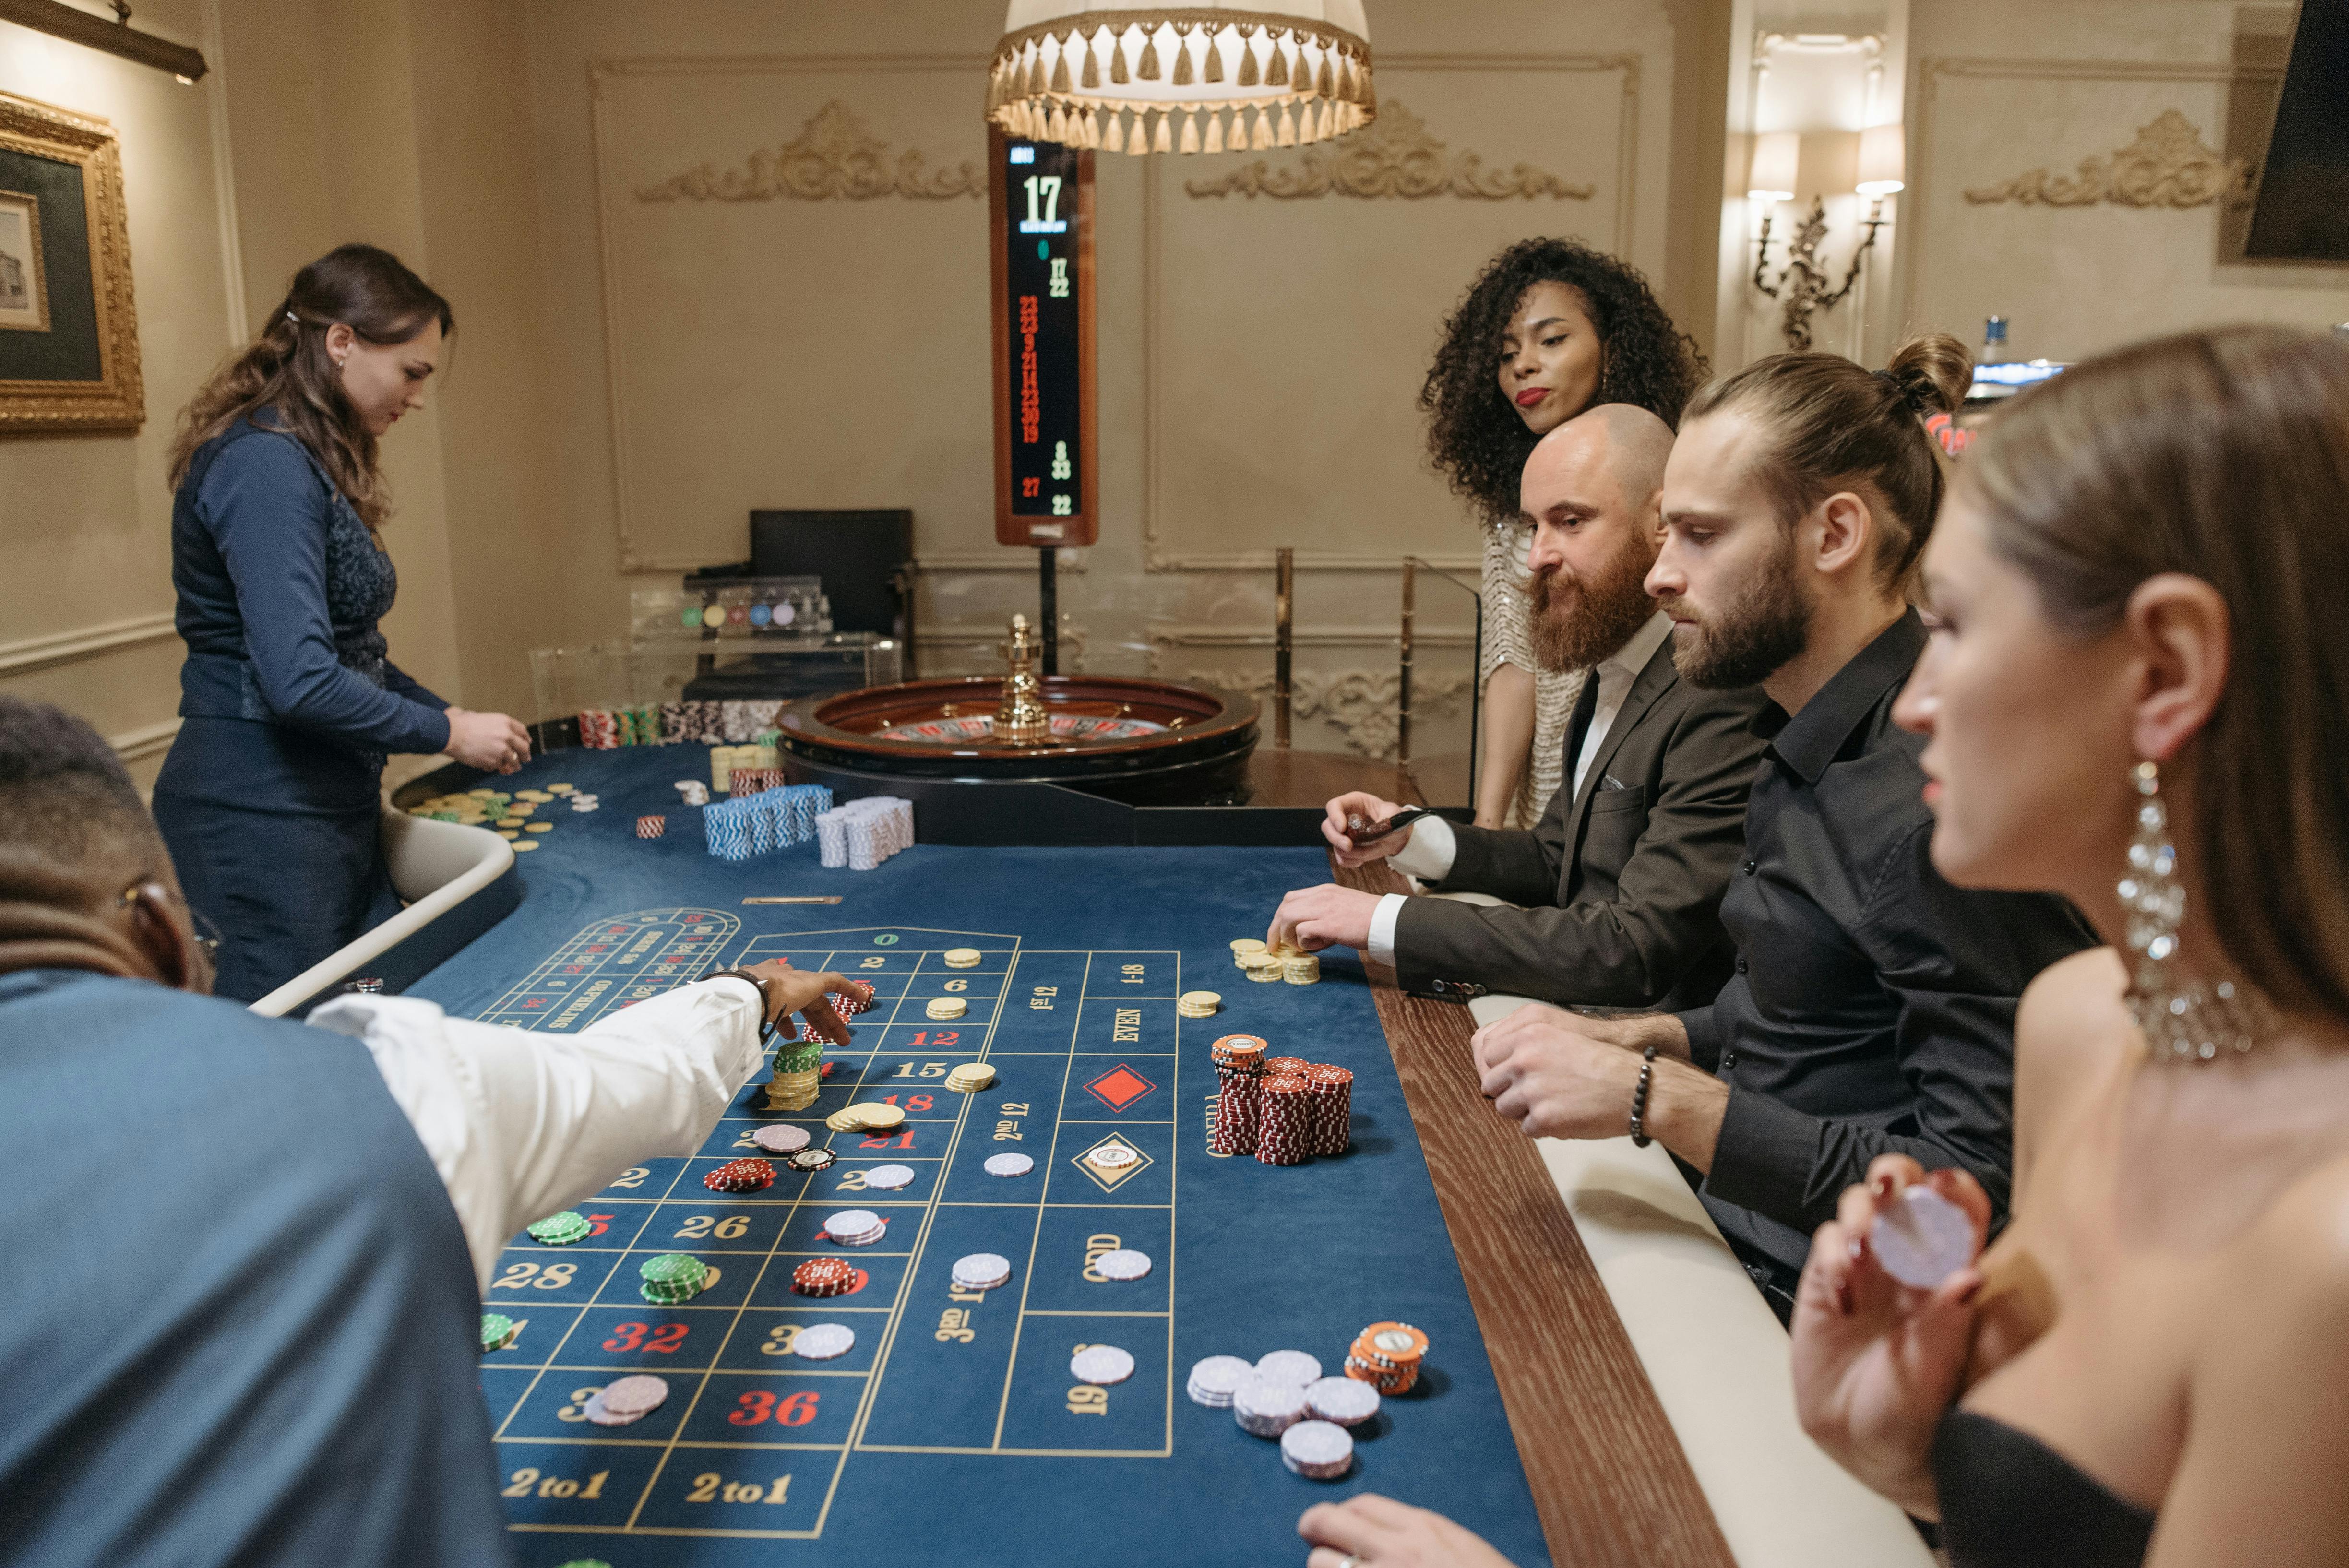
793 1410
662 1341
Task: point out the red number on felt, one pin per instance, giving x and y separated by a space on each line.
1029 487
599 1223
627 1337
667 1337
902 1140
797 1410
752 1408
920 1102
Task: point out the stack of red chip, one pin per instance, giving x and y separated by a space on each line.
651 827
754 781
1330 1100
1239 1102
848 1004
740 1176
599 728
1277 1066
1285 1135
824 1276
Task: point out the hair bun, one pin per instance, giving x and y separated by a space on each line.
1932 372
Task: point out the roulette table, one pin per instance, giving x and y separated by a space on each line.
957 1425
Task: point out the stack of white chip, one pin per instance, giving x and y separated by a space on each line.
1317 1450
861 834
982 1271
695 792
1347 1401
1215 1380
1268 1406
583 802
855 1227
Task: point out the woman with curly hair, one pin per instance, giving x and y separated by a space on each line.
1550 328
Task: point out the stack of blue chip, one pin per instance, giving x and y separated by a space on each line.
771 819
726 828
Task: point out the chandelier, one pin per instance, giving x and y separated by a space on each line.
1183 78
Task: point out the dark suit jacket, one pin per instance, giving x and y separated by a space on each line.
1622 885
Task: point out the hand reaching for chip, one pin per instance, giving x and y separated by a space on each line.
1368 1531
787 990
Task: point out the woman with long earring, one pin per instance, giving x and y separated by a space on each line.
2133 695
270 797
1550 328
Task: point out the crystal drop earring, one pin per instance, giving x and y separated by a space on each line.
2183 1018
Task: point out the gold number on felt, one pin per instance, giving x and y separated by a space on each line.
554 1277
704 1488
780 1339
574 1411
697 1227
524 1481
633 1176
516 1276
1088 1400
875 962
958 986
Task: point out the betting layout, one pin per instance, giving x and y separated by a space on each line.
771 1390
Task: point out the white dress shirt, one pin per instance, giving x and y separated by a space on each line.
522 1125
1429 853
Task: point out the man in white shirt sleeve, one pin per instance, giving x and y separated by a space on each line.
521 1124
1613 898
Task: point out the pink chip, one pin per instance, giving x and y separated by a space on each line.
781 1139
636 1394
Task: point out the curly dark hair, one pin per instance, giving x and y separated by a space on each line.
1474 435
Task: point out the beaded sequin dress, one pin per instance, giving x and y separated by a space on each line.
1507 640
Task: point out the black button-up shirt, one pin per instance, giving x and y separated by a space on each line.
1873 1007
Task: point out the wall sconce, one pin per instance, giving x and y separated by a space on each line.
115 37
1801 288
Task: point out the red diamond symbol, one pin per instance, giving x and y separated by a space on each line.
1120 1087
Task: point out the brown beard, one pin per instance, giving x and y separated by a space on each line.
1758 635
1574 624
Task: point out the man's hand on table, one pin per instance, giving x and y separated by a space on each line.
1313 918
1368 1531
1561 1075
786 990
1370 809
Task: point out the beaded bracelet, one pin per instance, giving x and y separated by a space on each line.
1639 1139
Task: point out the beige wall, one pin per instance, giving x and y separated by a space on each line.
85 519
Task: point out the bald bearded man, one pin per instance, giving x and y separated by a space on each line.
1616 892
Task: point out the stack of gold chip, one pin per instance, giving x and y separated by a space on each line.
1197 1003
799 1073
945 1007
1241 947
962 958
870 1117
1302 970
971 1077
1265 965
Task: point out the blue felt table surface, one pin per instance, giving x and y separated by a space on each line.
922 1444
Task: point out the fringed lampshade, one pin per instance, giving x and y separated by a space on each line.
1201 77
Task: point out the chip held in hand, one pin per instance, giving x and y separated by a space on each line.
1921 1238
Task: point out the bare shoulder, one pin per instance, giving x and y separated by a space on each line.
2071 1028
2302 1247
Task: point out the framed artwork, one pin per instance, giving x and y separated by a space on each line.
68 329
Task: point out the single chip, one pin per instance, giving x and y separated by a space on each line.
1101 1365
512 821
538 828
1244 946
635 1394
484 793
1347 1402
824 1276
1921 1238
945 1007
811 1160
1123 1264
1289 1365
1111 1157
562 1229
531 795
498 1331
826 1342
561 788
1008 1164
889 1178
593 1411
509 834
781 1139
982 1271
962 958
1319 1450
1215 1380
525 844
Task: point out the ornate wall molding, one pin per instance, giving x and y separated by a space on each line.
2165 166
1159 552
1361 704
833 158
1934 70
1395 156
26 655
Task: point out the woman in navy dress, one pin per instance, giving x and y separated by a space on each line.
269 798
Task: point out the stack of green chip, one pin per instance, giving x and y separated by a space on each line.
498 1330
561 1229
673 1277
798 1056
768 737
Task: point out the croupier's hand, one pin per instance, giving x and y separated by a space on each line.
1370 809
1313 918
1368 1531
786 990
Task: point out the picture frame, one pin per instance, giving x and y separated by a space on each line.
68 323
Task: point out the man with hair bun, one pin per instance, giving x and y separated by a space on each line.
264 1349
1872 1007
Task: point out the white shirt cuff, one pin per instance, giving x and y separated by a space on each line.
1382 928
1429 855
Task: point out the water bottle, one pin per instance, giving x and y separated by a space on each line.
1993 349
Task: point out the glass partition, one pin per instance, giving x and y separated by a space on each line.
1437 697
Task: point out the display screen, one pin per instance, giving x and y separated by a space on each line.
1041 231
